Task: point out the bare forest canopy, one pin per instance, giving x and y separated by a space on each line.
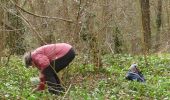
93 27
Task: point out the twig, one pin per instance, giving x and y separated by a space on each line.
31 27
110 47
36 15
66 92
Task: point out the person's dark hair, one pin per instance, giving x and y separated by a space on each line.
27 59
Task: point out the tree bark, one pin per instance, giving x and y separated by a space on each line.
2 35
145 10
78 23
158 24
117 41
45 34
66 16
15 38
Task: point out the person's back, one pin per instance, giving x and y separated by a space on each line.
134 74
52 51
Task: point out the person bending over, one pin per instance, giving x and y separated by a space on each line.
135 74
50 59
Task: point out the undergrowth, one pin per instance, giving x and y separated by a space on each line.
84 82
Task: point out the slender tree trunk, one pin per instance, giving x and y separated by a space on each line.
94 40
117 41
158 23
15 38
168 20
66 16
145 9
2 35
78 23
94 43
44 24
146 38
46 34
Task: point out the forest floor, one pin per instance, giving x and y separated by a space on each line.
84 82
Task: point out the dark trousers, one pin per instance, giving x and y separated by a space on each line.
135 76
52 80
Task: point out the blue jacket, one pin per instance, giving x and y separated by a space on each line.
135 76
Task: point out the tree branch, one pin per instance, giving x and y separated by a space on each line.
40 16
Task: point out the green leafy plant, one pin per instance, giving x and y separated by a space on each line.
88 84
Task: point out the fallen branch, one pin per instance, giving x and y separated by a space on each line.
66 92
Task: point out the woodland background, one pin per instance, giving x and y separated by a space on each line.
93 27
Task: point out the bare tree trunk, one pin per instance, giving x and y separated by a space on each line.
2 29
95 40
158 23
66 16
78 23
15 38
145 9
146 38
94 43
46 35
117 41
168 20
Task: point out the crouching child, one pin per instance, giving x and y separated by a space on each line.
134 74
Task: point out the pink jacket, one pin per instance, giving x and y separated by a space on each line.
43 55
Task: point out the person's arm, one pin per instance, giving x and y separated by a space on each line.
41 85
42 62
